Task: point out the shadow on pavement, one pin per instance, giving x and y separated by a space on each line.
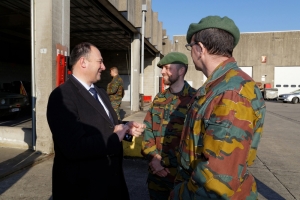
267 192
122 113
16 164
136 172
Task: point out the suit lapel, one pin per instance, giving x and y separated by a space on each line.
90 99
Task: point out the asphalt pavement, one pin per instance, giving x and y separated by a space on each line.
27 175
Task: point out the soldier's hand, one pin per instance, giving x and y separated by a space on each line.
120 130
163 173
135 128
155 165
171 195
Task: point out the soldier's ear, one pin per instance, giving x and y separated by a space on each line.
181 71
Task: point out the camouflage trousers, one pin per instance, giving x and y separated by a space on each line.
159 187
116 106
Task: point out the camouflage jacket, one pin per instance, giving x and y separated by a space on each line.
115 89
220 137
164 121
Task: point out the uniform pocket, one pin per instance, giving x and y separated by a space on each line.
214 136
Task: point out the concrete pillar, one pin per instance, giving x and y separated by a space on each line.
135 12
52 26
157 74
159 36
148 23
155 33
135 71
119 5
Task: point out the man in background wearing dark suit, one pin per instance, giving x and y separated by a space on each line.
86 133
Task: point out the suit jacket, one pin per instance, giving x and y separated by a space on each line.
88 155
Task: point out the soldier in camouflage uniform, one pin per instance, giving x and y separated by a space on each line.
164 122
224 125
115 90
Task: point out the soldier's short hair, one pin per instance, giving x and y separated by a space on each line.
184 66
115 69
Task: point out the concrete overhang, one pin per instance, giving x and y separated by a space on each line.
95 21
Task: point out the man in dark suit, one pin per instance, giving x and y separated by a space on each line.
86 133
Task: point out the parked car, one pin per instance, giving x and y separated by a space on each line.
12 104
293 97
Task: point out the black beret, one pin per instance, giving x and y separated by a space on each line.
224 23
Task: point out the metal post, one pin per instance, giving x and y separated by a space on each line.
144 9
33 96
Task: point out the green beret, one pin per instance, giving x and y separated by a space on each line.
173 58
224 23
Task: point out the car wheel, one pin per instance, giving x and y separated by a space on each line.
295 100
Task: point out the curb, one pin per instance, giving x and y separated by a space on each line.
25 166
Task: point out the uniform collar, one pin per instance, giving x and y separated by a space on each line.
183 92
220 70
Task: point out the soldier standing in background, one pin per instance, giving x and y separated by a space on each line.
115 90
164 121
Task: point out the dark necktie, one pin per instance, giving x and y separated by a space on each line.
95 95
94 92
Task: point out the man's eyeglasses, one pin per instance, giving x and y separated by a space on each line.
189 46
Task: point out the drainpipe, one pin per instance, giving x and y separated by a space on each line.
144 9
33 98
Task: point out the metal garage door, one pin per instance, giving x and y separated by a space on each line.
286 79
247 70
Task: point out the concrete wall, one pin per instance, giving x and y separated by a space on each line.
157 74
154 29
159 36
281 49
132 10
135 12
193 76
120 5
149 76
148 23
16 137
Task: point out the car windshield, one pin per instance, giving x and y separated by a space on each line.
296 91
